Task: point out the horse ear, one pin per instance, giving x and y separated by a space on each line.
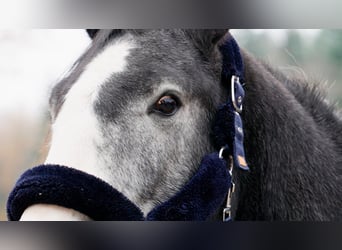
206 40
92 33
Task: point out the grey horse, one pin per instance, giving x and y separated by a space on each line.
136 110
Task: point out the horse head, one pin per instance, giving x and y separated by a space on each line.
136 110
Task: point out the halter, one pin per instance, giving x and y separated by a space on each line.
228 128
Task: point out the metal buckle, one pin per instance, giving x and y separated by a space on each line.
227 211
226 214
237 108
221 152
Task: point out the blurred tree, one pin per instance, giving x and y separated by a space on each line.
259 44
319 55
294 45
329 44
327 49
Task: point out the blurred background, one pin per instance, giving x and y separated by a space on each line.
32 61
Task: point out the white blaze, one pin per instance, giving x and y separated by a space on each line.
76 130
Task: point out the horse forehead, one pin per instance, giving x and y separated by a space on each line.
148 59
157 50
141 53
87 77
112 58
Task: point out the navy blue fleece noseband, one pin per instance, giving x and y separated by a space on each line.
199 199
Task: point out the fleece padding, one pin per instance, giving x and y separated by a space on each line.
70 188
201 196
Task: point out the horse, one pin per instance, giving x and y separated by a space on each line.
136 111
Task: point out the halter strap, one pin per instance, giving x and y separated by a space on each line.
228 127
232 59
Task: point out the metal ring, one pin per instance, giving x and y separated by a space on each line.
237 108
221 152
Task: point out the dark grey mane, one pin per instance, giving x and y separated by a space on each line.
294 144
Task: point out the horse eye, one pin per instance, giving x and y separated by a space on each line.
166 105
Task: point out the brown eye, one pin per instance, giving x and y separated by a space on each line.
166 105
